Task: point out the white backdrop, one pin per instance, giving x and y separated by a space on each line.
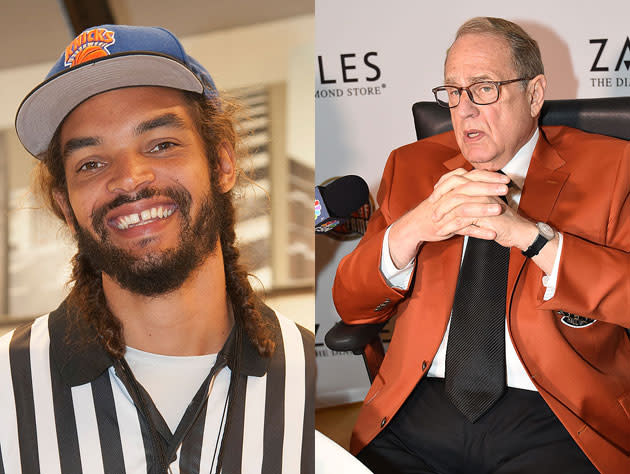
374 59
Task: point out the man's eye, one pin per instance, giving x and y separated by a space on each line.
162 147
91 165
454 92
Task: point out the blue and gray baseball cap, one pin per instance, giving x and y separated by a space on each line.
101 59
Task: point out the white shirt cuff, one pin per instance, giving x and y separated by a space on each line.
395 278
550 281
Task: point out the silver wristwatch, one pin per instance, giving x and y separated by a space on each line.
545 234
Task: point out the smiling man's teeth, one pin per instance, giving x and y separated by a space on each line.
146 216
473 134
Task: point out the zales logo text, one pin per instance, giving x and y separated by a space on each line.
609 58
349 75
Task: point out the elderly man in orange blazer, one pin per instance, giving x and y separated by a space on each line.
557 201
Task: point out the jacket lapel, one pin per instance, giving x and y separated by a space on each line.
545 178
457 161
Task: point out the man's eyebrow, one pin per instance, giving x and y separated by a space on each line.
471 80
75 144
481 78
166 120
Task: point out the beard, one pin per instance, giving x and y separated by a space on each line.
156 272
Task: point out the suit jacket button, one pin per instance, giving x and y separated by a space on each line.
383 422
382 305
424 365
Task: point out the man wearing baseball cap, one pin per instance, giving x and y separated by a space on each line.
161 359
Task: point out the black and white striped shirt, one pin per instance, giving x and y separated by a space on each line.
66 408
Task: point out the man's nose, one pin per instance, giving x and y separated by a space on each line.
131 172
466 106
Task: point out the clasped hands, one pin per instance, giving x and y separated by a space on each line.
462 203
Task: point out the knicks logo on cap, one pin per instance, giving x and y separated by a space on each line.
89 45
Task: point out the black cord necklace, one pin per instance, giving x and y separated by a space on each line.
232 394
234 354
219 436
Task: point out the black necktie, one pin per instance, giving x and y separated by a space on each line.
475 354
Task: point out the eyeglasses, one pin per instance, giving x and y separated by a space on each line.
480 93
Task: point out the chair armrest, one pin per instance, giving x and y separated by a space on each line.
351 337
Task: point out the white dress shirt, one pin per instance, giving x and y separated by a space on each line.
516 170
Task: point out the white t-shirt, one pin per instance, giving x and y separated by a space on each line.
172 381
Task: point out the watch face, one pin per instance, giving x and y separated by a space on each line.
545 230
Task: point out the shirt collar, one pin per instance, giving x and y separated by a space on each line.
516 168
80 363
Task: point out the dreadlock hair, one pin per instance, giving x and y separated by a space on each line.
215 119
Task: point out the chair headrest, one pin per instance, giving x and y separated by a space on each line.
607 116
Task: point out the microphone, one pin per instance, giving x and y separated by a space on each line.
336 201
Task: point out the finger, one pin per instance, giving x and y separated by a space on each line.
450 183
453 224
487 176
472 209
451 180
470 192
478 232
475 175
462 185
455 172
466 206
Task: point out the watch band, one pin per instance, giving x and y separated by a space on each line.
545 234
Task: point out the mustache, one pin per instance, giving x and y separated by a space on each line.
179 195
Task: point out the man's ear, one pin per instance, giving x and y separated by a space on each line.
226 167
536 93
62 201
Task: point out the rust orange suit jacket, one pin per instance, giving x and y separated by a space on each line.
580 184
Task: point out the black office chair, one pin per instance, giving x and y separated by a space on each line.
607 116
